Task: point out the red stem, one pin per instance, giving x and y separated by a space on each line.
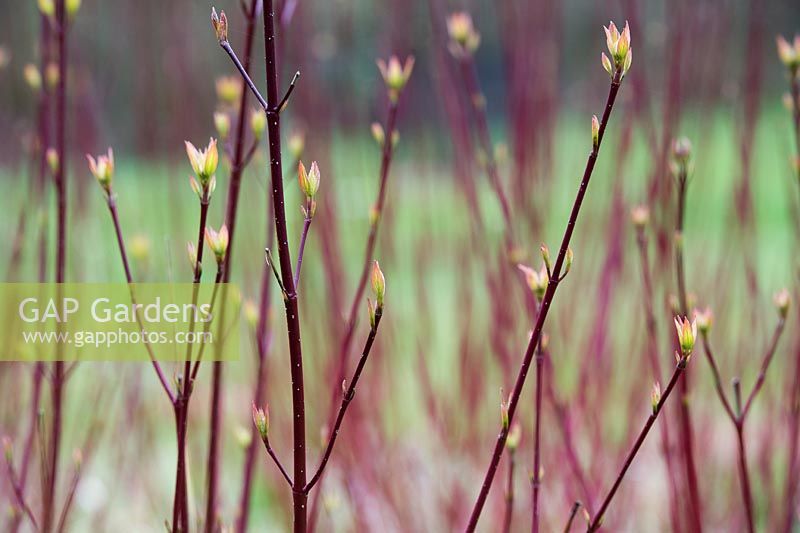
299 497
598 518
347 397
61 250
546 302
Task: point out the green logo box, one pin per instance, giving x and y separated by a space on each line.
119 322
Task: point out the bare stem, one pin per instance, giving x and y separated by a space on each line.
546 302
598 518
347 397
301 250
509 511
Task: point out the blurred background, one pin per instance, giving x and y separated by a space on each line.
143 77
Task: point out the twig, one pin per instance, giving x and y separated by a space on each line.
285 100
306 226
572 514
509 511
546 302
347 397
19 494
277 461
598 518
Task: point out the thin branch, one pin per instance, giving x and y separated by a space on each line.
347 397
717 379
18 494
277 461
271 263
509 511
546 302
227 47
302 249
776 336
112 207
285 100
598 518
572 514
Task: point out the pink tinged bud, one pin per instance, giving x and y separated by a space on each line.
595 132
8 449
220 25
546 256
681 150
191 251
504 406
195 187
606 64
782 301
704 319
655 397
102 169
203 162
640 215
52 159
261 420
394 75
786 52
514 437
222 123
568 260
687 333
309 181
378 285
217 241
378 134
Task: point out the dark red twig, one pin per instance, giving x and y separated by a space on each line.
546 302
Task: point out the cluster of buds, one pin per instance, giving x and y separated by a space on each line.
102 169
681 157
218 242
32 77
619 46
378 283
204 163
704 319
464 40
395 76
782 301
687 333
655 396
229 90
537 280
48 7
220 25
309 185
789 53
258 123
261 420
